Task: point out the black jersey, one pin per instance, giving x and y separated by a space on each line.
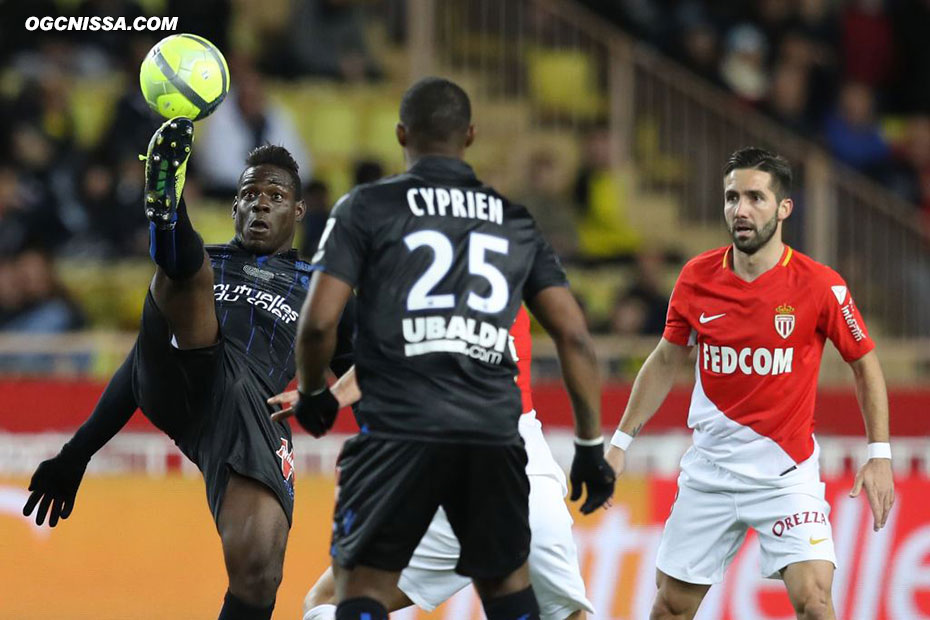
440 263
258 300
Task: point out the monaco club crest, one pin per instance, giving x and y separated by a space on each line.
784 320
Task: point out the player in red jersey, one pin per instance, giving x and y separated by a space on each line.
758 313
430 578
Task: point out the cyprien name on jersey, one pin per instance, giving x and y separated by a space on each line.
455 203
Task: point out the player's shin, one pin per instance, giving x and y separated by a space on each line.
520 605
179 250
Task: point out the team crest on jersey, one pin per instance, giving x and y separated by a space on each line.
286 454
784 320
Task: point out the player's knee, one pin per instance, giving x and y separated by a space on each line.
814 604
254 575
667 606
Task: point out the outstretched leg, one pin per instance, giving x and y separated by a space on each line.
253 529
183 282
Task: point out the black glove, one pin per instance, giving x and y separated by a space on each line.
590 469
317 413
55 483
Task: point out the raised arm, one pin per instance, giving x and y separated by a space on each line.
558 312
652 385
55 483
875 475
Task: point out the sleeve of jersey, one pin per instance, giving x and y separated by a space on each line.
546 270
841 322
344 242
677 327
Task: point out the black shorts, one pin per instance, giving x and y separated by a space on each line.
389 490
212 405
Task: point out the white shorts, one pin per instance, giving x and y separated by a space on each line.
708 524
430 578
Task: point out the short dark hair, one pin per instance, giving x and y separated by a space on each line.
766 161
276 155
435 110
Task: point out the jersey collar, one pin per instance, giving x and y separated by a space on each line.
444 169
786 255
289 254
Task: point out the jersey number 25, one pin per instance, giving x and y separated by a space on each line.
478 246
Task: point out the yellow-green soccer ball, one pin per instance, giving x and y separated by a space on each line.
184 75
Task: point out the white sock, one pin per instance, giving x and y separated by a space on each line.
321 612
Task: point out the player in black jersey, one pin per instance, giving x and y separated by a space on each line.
441 263
216 341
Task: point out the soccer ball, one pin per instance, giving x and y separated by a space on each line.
184 75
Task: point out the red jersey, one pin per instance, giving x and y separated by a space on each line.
759 349
522 352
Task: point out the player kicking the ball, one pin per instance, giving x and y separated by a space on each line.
430 578
759 313
216 340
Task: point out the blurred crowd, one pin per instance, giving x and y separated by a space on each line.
63 196
852 74
846 73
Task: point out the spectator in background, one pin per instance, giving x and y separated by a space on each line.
602 196
245 120
743 69
18 224
852 132
133 121
787 101
868 48
325 38
799 52
35 301
641 308
774 18
112 194
698 43
545 196
317 201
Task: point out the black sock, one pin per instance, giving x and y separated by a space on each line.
520 605
361 608
179 251
236 609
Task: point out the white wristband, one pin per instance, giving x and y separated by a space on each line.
621 440
589 442
879 451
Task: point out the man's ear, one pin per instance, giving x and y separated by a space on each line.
469 136
301 209
401 132
234 205
785 207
